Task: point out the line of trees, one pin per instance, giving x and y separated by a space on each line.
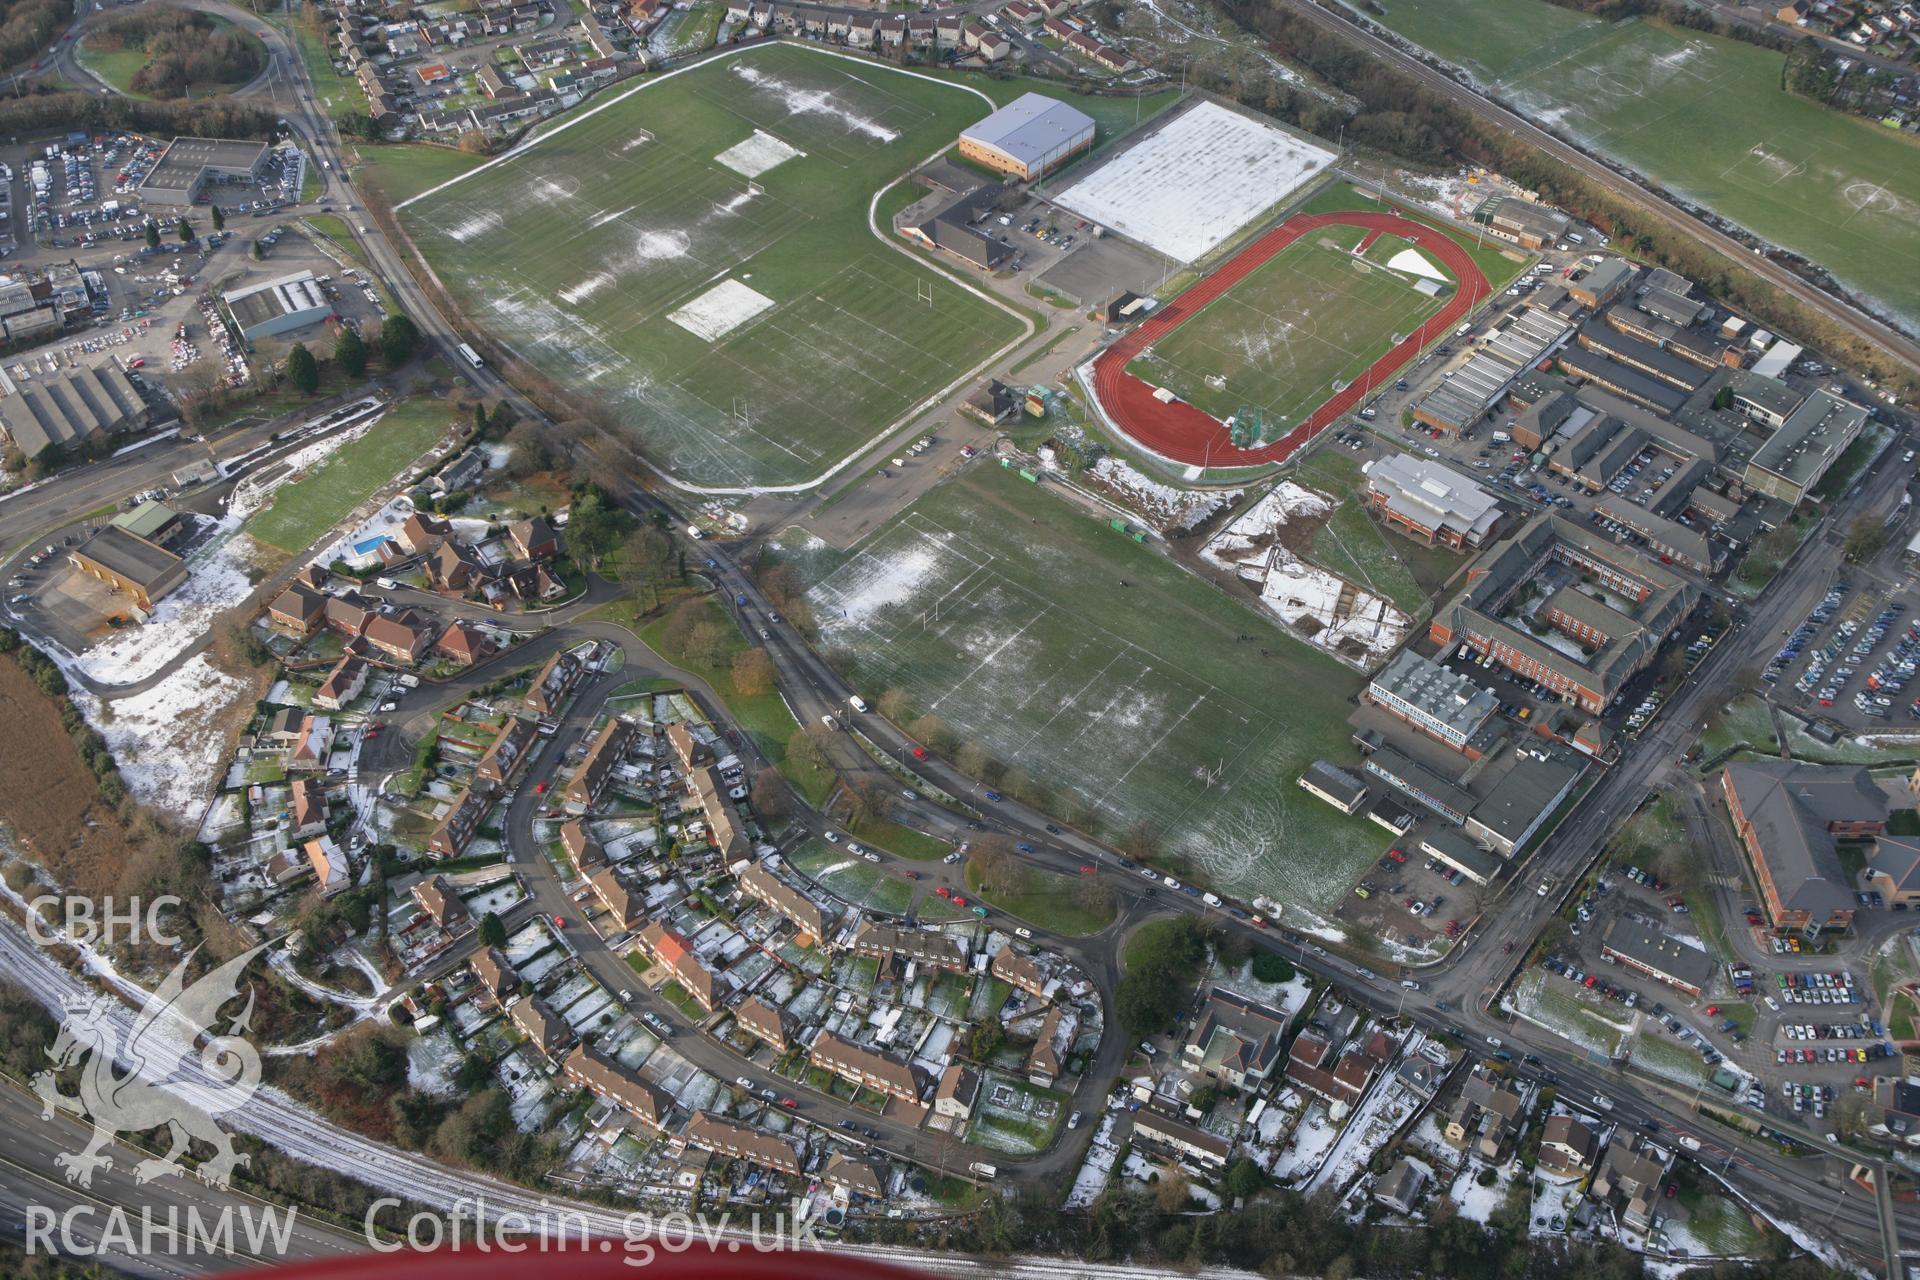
26 27
41 108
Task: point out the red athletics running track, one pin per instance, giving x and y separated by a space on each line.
1184 434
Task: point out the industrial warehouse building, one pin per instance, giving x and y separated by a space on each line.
278 306
1462 400
128 562
73 409
1029 137
185 168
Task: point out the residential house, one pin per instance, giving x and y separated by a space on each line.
346 613
1568 1146
591 1069
915 946
508 752
959 1086
402 637
495 972
1236 1039
766 1022
309 809
423 533
450 838
312 744
581 846
464 643
627 907
343 684
533 539
1629 1179
1400 1188
436 896
1019 971
589 782
547 1030
1313 1065
670 950
1484 1114
762 885
687 749
298 610
1044 1060
1182 1141
453 568
330 867
856 1175
738 1142
883 1072
554 684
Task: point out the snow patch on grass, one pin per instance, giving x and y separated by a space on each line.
754 155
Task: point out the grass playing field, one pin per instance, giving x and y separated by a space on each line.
999 608
696 255
308 507
1707 118
1285 338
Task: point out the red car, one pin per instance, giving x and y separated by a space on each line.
944 892
1712 1010
1088 869
1396 855
919 753
559 922
959 901
539 788
789 1102
911 875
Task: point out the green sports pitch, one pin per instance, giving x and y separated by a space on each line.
1000 609
1309 319
696 256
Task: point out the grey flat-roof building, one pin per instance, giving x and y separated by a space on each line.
188 164
72 409
1800 451
1516 806
278 306
1435 699
1462 854
1030 136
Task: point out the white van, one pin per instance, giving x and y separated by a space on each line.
1211 899
386 584
693 531
828 721
858 703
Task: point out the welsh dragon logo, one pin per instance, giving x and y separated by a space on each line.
149 1069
